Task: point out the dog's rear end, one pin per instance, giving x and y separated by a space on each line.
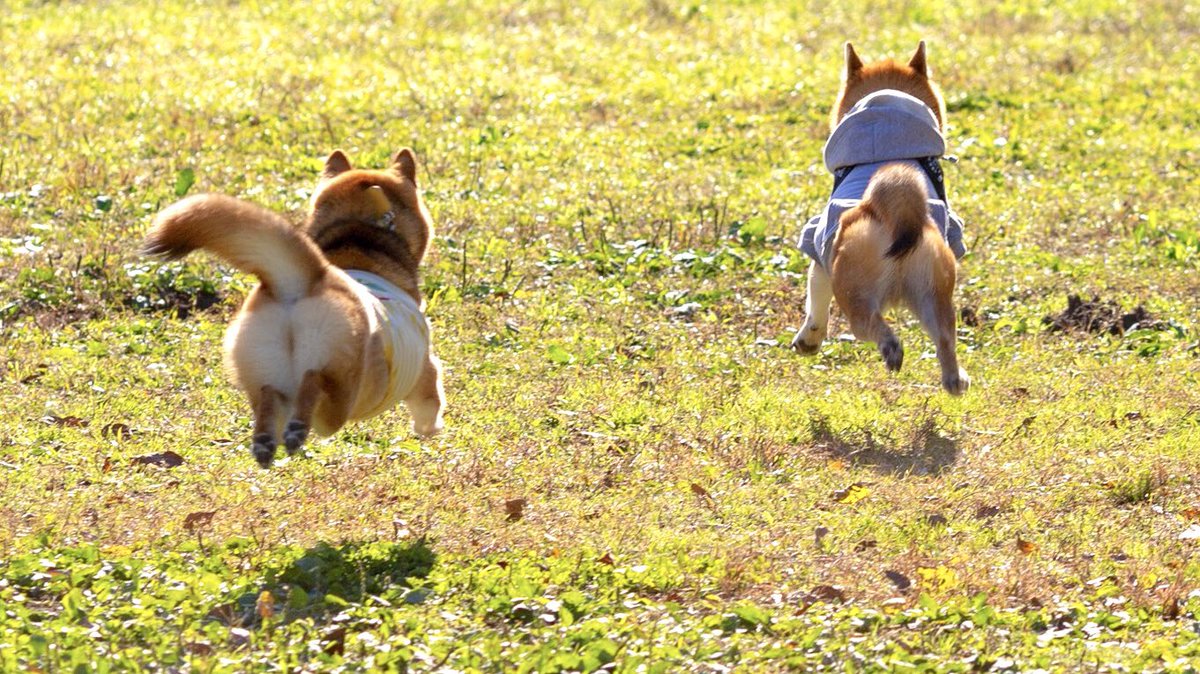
888 252
296 346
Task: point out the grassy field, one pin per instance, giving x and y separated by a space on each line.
637 475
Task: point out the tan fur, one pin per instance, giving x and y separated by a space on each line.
888 251
301 347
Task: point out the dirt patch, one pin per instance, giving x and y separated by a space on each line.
173 300
1100 316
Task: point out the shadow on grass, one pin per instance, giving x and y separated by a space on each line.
927 451
352 571
320 581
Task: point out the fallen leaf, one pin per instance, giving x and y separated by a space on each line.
167 459
606 559
198 519
700 491
65 422
37 374
514 509
1191 514
985 512
898 579
852 494
117 431
1026 547
827 594
938 578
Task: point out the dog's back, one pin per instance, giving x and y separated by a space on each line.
372 220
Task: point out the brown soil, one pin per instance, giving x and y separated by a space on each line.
1099 316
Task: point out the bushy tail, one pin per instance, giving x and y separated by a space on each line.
247 236
897 197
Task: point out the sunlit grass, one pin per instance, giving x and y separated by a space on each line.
616 189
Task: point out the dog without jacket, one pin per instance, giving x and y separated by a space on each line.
887 236
334 331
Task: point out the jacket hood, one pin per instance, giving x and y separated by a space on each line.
885 125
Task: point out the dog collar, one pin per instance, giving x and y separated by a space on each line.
387 218
386 221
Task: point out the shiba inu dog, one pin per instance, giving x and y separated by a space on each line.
887 236
335 329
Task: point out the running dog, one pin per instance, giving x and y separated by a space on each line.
335 330
887 236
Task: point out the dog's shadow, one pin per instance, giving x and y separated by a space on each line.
926 452
318 582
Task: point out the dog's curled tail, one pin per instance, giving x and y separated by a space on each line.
897 197
247 236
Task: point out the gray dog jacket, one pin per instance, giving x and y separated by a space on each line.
884 127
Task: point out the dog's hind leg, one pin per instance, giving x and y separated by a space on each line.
333 409
266 402
938 319
816 310
866 322
296 431
427 399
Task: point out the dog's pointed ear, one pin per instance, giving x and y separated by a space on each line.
917 62
853 63
405 164
334 164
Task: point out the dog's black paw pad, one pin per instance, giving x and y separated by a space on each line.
294 435
893 354
263 450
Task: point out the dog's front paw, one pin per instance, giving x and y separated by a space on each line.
263 449
957 384
808 339
430 428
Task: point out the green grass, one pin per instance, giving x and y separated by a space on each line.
635 474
